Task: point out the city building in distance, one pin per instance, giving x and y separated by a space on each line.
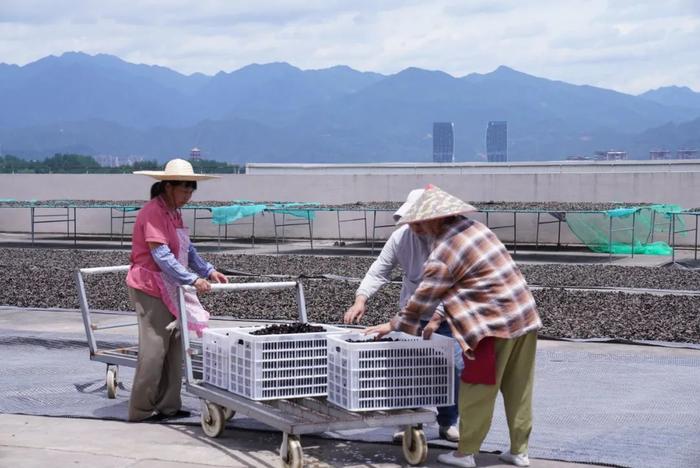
687 154
443 142
659 155
497 141
610 155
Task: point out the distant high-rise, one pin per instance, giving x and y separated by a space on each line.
687 154
443 142
497 141
659 155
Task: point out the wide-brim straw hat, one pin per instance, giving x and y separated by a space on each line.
177 169
435 203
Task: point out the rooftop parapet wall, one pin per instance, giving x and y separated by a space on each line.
632 187
464 168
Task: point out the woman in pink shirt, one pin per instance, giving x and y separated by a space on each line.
161 253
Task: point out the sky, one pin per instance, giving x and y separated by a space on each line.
626 45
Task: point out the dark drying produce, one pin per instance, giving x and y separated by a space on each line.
360 205
43 278
284 329
375 340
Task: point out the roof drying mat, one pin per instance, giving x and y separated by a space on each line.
619 408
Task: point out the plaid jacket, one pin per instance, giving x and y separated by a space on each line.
481 287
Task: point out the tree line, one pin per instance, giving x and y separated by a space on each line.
81 164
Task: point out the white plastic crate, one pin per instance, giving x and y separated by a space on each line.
268 367
382 375
215 360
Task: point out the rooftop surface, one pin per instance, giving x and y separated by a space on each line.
596 403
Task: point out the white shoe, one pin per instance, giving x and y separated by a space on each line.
519 459
450 433
397 438
450 458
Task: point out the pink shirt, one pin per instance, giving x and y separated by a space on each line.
154 223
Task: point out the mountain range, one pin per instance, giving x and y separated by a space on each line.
102 105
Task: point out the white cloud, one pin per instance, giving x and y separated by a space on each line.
628 45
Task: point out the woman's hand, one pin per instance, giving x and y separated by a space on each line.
356 311
218 277
202 285
431 326
379 330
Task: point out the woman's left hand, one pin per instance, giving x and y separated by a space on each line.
218 277
379 330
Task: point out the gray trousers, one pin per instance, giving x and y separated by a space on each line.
158 377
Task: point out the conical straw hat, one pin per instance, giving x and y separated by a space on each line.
177 169
433 204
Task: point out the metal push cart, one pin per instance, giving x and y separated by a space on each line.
297 416
112 357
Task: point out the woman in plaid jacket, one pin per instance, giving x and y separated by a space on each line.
492 313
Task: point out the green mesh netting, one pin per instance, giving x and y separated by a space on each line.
229 214
627 230
288 208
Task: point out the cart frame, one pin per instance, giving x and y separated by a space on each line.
293 417
112 357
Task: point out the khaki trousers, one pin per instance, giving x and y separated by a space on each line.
158 377
515 373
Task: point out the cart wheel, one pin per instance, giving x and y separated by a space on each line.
415 446
229 414
291 452
111 381
213 421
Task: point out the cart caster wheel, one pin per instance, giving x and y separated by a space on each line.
229 414
111 381
291 452
213 421
415 446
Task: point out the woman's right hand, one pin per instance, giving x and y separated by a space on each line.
356 311
202 285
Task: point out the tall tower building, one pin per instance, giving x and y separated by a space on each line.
497 141
195 154
443 142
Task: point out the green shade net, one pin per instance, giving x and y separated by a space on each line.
229 214
627 230
289 209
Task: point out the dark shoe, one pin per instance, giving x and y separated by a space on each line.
154 418
179 414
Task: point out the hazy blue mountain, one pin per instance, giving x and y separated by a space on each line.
670 137
546 119
80 87
680 96
277 112
274 92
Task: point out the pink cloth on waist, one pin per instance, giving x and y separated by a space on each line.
154 223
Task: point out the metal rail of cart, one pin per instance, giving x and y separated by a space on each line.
293 416
113 357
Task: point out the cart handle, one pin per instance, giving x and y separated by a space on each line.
217 287
98 270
